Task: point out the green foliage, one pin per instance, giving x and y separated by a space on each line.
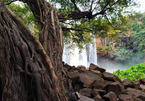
23 12
133 72
84 5
136 27
122 54
134 45
108 25
140 40
105 25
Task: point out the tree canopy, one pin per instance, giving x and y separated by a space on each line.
79 18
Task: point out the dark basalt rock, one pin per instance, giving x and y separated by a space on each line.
126 97
136 93
86 92
98 91
95 67
128 83
84 98
116 87
111 96
142 87
97 85
110 77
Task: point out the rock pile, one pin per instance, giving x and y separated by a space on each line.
95 84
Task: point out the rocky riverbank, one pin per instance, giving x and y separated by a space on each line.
95 84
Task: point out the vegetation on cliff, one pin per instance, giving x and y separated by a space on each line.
133 72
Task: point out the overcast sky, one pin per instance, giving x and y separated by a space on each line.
140 7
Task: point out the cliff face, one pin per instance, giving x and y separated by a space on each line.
122 50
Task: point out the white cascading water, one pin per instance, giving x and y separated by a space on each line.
77 57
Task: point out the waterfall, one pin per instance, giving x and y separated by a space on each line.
91 53
76 56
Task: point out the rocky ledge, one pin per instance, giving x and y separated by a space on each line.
95 84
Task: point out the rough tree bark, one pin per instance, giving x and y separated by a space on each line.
50 35
26 71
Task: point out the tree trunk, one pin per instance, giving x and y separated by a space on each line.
50 35
26 71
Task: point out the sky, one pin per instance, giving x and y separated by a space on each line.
140 7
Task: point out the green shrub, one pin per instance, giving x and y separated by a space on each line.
122 55
133 72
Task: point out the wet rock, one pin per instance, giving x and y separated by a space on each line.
111 96
86 92
95 67
128 83
136 93
116 87
126 97
110 77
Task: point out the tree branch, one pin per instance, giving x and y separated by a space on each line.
91 7
11 2
109 21
75 29
76 15
103 10
75 5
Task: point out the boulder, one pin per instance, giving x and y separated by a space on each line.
111 96
137 84
99 100
99 83
97 72
97 97
110 77
142 87
84 98
128 83
95 67
73 96
136 99
142 81
86 92
88 77
136 93
83 68
83 79
126 97
98 91
73 75
116 87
